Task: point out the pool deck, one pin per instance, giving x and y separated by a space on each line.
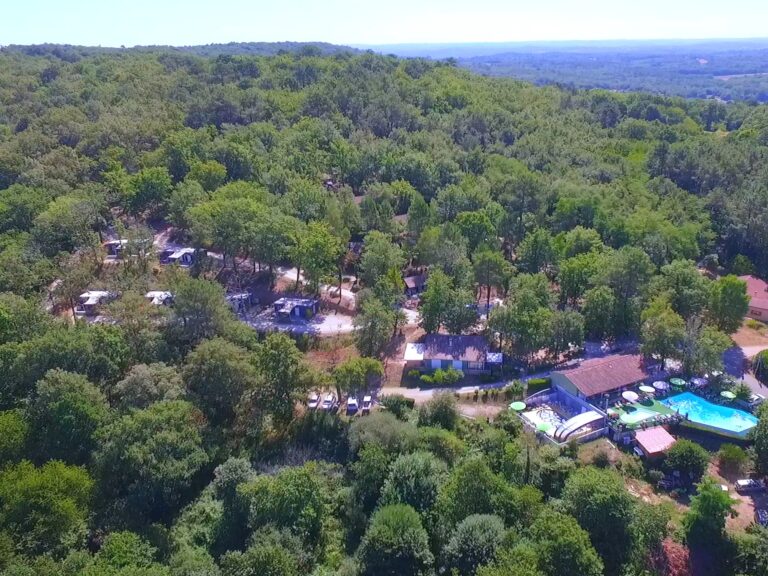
650 405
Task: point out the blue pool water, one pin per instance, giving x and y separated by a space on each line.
701 411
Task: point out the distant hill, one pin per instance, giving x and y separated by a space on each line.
725 69
68 52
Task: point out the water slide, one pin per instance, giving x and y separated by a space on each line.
576 423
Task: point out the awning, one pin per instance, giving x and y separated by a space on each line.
654 441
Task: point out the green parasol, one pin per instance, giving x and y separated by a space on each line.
544 427
728 394
677 382
517 406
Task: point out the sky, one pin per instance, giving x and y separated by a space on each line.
356 22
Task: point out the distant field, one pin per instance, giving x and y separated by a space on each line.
724 69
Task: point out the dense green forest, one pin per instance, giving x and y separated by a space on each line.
172 441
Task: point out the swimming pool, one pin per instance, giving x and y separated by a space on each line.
706 415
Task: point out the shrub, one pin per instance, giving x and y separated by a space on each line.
440 377
514 390
398 404
440 411
655 476
732 459
742 391
537 385
601 459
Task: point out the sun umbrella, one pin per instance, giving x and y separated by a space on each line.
544 427
647 389
699 382
728 394
630 396
660 385
517 406
677 382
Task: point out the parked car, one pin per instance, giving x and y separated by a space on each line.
313 401
351 405
329 402
749 485
761 517
367 404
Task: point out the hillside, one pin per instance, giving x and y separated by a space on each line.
217 274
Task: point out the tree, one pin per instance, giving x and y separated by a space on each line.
580 240
414 479
44 509
139 320
575 276
147 461
687 458
217 373
474 543
728 303
146 384
491 270
379 256
705 521
685 287
563 547
444 305
13 436
760 435
64 415
567 330
536 252
200 308
760 366
292 499
373 327
209 173
662 332
601 504
703 348
149 189
284 374
599 311
395 544
260 560
370 472
316 252
626 272
477 228
354 375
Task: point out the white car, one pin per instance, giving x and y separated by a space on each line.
313 401
329 402
351 405
367 404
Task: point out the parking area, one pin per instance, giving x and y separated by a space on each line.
331 324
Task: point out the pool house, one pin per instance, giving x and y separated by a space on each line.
622 396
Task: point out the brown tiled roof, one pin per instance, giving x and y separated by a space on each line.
601 375
757 290
444 347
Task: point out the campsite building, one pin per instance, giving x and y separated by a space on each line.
288 308
415 284
592 379
466 353
757 290
92 300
